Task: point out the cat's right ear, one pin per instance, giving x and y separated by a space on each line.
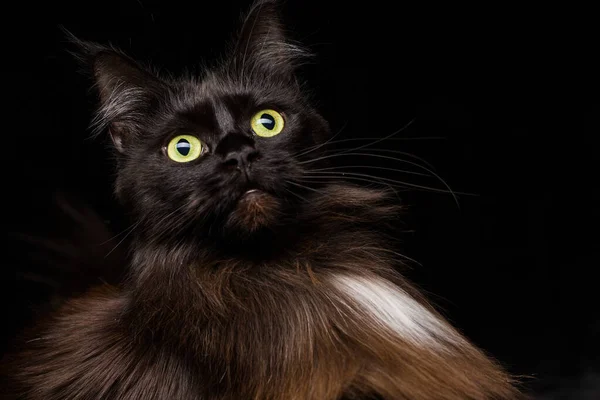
128 92
262 49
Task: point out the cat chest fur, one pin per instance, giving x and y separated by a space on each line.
300 331
305 332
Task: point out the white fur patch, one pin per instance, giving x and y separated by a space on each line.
393 308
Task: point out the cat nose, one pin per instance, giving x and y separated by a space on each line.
241 158
237 150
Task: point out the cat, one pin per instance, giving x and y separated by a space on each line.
247 280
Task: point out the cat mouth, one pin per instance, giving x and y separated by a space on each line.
252 194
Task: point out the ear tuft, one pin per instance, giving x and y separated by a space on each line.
262 49
128 92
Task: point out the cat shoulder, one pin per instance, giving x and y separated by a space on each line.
85 351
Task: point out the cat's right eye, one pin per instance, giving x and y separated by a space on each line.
267 123
184 148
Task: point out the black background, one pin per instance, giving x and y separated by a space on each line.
509 95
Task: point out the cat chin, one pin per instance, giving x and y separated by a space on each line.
254 211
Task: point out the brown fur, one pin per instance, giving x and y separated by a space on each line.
223 329
254 211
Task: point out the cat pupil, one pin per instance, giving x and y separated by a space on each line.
183 147
267 121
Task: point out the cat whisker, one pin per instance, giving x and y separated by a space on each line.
314 148
375 140
336 179
122 240
404 139
296 194
383 138
186 223
308 188
306 200
128 229
449 190
402 184
369 167
404 153
389 138
343 154
336 174
175 225
376 180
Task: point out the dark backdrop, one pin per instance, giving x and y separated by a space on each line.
504 103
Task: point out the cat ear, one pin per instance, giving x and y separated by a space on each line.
262 49
128 92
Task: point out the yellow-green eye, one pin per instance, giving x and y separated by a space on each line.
184 148
267 123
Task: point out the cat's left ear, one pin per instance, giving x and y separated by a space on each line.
128 92
262 49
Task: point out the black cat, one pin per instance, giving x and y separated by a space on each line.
248 280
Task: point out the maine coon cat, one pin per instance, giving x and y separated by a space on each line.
246 280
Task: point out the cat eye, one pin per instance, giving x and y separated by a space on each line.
184 148
267 123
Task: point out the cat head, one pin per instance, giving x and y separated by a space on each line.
222 154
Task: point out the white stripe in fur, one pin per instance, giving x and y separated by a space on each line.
395 309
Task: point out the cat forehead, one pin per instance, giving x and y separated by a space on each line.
216 112
236 89
225 96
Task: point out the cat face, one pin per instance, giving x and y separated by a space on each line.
219 154
218 157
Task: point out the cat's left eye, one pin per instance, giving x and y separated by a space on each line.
267 123
184 148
